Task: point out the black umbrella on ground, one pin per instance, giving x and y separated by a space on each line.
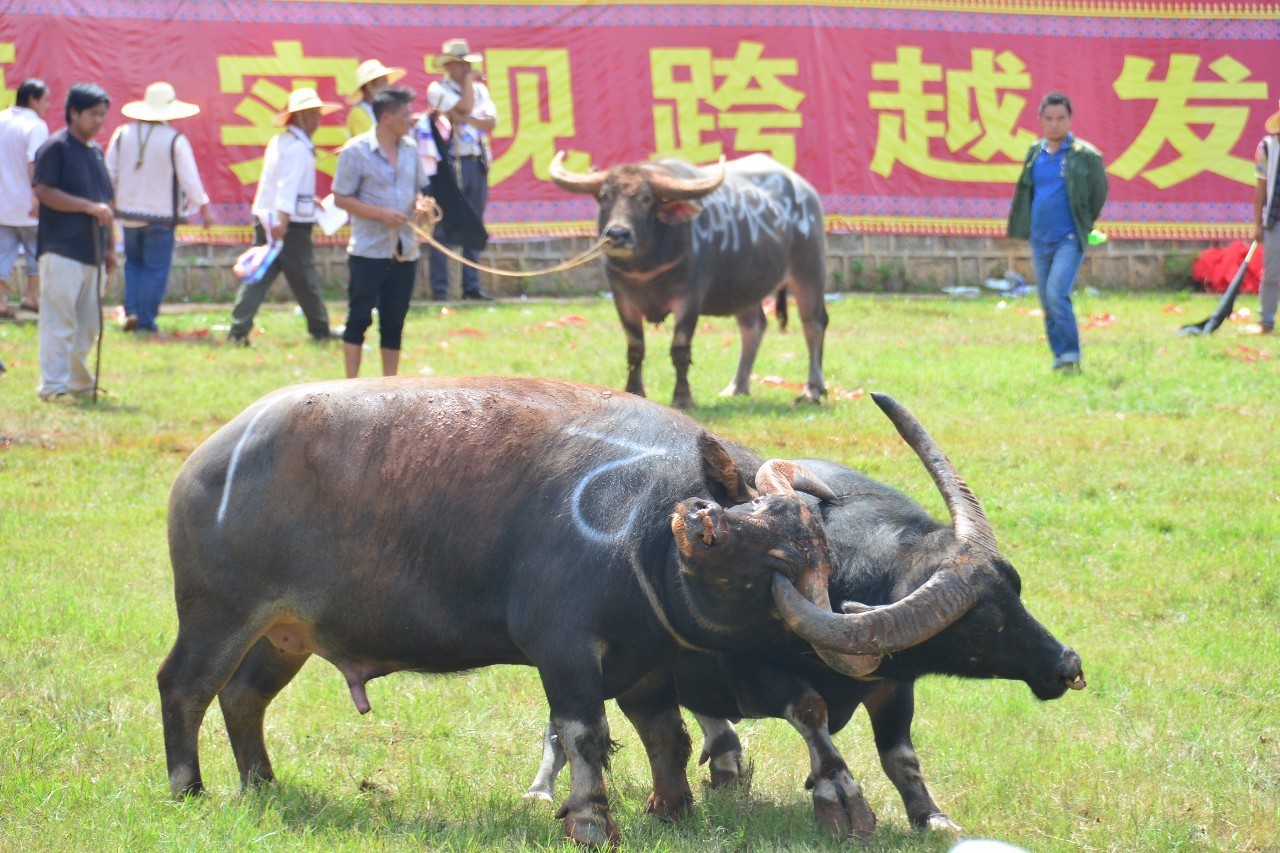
1211 323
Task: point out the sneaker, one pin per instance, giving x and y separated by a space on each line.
62 398
130 322
1070 368
478 296
1266 328
239 340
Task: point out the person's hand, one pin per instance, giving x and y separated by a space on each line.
206 217
278 230
110 262
101 212
35 207
1257 233
393 218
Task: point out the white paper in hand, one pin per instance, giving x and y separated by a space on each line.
330 217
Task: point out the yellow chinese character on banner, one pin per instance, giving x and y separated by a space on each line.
751 100
905 131
524 84
266 97
7 56
1172 117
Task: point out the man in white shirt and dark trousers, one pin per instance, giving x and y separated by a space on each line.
157 185
22 132
285 208
461 98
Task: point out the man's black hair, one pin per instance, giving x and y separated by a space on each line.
1054 99
85 96
389 100
32 89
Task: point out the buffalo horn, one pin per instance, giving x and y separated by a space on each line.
588 184
967 517
667 187
780 477
854 643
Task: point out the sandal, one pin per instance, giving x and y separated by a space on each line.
7 313
34 309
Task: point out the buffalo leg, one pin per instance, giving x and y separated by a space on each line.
891 710
543 786
576 697
633 326
837 799
813 314
751 326
202 659
262 674
682 357
722 749
651 707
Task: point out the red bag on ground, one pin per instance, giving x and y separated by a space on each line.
1215 268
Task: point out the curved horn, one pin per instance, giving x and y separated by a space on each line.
588 184
780 477
854 643
967 516
670 188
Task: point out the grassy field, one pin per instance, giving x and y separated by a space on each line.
1140 501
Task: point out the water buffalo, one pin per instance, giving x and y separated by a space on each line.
929 598
690 241
439 525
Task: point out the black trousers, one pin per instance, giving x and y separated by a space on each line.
382 283
297 262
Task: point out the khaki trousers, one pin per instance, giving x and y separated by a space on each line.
70 319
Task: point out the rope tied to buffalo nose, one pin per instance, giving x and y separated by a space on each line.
427 214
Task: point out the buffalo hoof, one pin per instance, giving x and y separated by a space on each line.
538 796
734 391
183 783
940 823
728 771
841 809
683 402
809 396
668 807
590 825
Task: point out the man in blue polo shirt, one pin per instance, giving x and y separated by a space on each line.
73 242
1055 204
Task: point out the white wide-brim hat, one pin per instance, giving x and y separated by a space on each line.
455 50
1273 123
370 70
159 103
304 99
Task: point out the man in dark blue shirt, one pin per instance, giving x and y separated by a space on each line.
73 242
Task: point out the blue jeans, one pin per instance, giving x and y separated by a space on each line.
1056 265
148 255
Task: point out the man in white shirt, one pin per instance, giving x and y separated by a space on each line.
285 209
22 132
463 99
157 185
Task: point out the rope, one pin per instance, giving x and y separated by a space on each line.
428 209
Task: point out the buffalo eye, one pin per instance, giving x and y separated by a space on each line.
646 199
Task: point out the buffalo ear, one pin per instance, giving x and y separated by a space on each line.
677 212
728 486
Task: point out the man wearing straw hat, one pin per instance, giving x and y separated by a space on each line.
371 78
464 100
285 209
1266 216
157 185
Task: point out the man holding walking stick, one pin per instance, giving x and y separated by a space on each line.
74 245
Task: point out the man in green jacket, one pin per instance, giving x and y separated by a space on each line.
1055 204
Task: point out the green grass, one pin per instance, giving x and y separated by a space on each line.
1139 501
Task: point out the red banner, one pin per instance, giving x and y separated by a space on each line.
909 117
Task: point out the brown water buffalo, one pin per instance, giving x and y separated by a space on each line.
689 241
439 525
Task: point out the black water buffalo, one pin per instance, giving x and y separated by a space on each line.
439 525
690 241
921 598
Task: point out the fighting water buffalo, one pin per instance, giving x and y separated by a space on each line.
917 598
689 241
439 525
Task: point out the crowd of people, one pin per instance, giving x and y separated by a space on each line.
61 195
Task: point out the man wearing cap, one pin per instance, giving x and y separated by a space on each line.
285 209
371 78
22 132
1266 215
157 185
463 99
